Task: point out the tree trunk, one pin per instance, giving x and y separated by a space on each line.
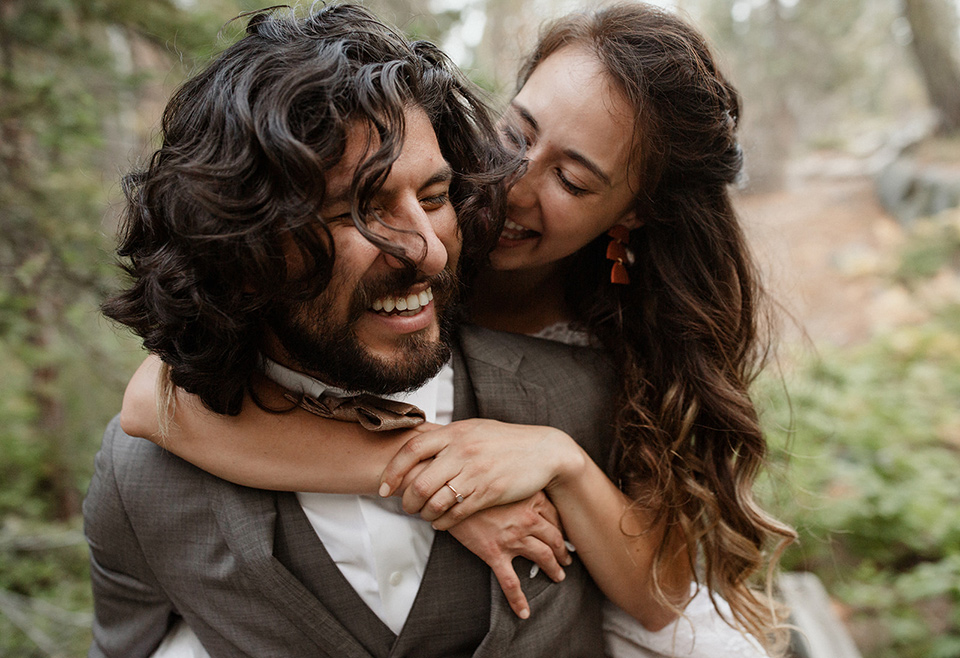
933 23
51 421
509 34
769 129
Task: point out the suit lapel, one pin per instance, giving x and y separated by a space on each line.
493 371
496 378
464 400
247 521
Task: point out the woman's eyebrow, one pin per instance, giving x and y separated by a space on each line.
525 115
573 154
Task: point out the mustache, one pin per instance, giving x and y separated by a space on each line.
443 284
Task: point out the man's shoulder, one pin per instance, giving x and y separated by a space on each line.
558 366
140 467
129 452
486 344
138 483
528 380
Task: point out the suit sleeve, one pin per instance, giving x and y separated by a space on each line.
131 611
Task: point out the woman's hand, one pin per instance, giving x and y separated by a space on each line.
529 528
486 462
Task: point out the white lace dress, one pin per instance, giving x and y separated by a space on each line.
700 633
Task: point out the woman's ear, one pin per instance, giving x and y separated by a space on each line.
629 220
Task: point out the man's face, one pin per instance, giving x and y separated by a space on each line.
358 334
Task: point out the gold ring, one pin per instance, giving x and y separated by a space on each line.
455 493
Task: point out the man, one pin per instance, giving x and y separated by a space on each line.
321 174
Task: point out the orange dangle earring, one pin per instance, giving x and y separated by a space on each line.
618 252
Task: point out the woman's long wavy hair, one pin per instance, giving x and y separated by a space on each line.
239 181
686 331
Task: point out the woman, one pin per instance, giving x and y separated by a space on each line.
620 233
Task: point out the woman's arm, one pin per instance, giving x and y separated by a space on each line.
617 542
491 463
290 451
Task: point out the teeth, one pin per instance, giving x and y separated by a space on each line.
513 231
407 305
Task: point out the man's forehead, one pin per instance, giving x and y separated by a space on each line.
363 140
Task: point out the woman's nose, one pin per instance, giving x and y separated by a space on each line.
523 192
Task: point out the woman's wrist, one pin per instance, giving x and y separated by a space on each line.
572 462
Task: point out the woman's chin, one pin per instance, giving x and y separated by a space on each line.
521 263
502 260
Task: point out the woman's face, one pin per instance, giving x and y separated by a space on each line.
578 184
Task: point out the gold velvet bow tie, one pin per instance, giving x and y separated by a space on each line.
373 413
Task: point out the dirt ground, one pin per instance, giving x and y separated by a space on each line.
826 247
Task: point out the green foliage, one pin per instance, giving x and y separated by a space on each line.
873 462
71 74
61 86
934 244
874 491
45 597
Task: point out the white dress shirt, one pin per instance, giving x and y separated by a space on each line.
380 550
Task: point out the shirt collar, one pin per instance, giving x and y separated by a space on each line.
424 397
299 382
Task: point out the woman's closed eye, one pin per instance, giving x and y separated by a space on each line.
568 185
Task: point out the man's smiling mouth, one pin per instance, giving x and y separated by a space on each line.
405 305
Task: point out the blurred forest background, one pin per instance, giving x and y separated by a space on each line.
852 111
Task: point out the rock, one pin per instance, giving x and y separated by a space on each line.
907 190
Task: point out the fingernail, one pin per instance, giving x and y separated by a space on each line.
563 574
567 561
384 490
525 613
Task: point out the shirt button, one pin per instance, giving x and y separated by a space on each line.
395 578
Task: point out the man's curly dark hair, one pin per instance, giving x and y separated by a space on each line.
246 145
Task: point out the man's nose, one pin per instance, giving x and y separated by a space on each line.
415 230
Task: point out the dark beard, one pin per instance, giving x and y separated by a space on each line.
331 352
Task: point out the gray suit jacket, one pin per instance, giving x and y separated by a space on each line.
168 539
